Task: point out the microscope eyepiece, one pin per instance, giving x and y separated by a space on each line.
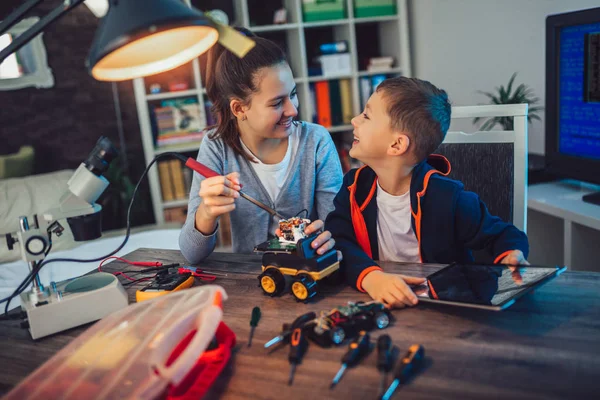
99 159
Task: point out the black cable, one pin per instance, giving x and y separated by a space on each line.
34 271
305 210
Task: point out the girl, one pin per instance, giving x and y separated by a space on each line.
291 166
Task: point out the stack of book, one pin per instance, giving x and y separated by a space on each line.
379 64
175 180
331 102
179 121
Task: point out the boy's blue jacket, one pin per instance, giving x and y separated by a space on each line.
448 221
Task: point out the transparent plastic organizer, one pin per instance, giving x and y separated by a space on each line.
124 355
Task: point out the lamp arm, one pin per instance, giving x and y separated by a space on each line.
16 15
36 29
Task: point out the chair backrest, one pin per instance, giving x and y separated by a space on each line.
492 164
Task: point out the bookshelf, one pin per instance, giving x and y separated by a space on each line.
366 37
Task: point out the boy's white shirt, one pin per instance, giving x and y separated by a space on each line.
395 235
273 176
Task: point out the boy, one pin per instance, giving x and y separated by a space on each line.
401 206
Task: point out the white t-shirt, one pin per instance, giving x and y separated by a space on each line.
273 176
396 237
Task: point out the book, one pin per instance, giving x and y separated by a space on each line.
365 91
375 81
323 103
335 101
164 177
175 170
346 99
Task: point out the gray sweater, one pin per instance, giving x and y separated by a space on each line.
314 180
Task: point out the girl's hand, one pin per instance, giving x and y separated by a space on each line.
218 197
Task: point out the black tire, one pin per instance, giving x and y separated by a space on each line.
303 287
337 335
272 282
381 320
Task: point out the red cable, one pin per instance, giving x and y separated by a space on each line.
136 263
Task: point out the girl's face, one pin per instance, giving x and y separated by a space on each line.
271 110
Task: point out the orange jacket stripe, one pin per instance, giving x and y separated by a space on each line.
432 290
501 256
364 274
417 216
358 221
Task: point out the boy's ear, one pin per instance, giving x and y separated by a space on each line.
400 145
238 108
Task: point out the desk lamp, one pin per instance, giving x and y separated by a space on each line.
138 38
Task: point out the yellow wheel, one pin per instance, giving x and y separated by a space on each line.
304 287
299 290
272 281
268 284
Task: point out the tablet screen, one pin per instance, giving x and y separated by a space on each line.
491 285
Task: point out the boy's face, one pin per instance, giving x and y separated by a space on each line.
374 137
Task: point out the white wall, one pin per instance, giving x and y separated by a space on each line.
464 46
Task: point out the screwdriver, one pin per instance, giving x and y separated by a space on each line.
253 322
287 330
209 173
298 346
357 349
411 361
384 359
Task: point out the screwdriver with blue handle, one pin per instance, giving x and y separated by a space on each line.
384 359
356 351
408 365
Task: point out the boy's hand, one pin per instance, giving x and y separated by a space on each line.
391 289
324 242
515 258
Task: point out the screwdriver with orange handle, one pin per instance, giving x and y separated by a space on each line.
298 346
356 351
408 365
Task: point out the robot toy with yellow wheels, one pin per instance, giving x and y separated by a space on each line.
297 260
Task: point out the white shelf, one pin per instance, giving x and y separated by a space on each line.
333 22
340 128
175 203
382 72
179 148
172 95
562 228
273 28
300 38
384 18
327 78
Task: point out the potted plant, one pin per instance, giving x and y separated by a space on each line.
522 94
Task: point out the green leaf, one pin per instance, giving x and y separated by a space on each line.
490 123
510 83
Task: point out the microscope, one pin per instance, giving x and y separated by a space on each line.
63 305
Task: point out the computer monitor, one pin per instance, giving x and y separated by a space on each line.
573 96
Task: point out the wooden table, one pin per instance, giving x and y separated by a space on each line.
547 345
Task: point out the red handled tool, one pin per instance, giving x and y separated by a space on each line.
209 173
196 272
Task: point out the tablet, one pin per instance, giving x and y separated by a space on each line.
491 287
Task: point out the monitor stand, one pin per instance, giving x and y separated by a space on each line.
593 198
